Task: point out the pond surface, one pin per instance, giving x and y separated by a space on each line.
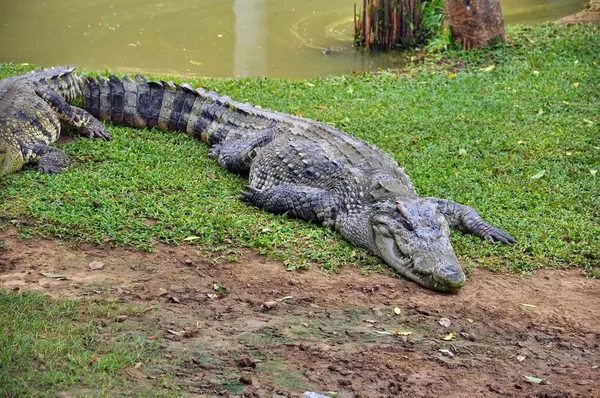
225 38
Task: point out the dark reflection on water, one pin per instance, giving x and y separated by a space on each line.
282 38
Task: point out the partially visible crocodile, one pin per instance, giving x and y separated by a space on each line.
32 108
308 170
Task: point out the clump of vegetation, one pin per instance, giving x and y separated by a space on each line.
389 24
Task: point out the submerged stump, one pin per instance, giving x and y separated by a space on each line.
387 24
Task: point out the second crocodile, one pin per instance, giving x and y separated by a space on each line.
33 108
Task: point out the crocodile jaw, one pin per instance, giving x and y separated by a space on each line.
433 269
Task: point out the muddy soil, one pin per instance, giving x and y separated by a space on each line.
238 324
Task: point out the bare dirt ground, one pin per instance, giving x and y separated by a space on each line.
255 330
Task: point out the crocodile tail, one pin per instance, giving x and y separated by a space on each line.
136 102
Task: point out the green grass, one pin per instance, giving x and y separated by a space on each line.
462 131
47 345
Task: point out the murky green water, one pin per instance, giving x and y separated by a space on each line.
222 38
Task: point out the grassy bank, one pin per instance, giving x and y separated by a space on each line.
514 133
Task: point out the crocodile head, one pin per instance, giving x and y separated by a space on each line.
413 238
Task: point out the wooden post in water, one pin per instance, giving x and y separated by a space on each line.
386 24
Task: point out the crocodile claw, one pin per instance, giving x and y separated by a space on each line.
498 235
97 130
214 151
249 196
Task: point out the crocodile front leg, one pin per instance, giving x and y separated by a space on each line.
51 160
468 220
237 151
72 116
307 203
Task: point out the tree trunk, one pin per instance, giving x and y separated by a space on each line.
474 23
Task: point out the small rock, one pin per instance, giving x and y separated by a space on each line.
309 394
162 291
121 318
96 265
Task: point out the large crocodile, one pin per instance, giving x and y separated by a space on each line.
308 170
32 108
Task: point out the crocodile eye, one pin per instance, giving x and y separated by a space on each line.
407 224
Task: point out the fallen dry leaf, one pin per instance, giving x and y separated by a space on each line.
537 380
52 275
447 337
447 352
191 330
269 304
538 175
528 305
